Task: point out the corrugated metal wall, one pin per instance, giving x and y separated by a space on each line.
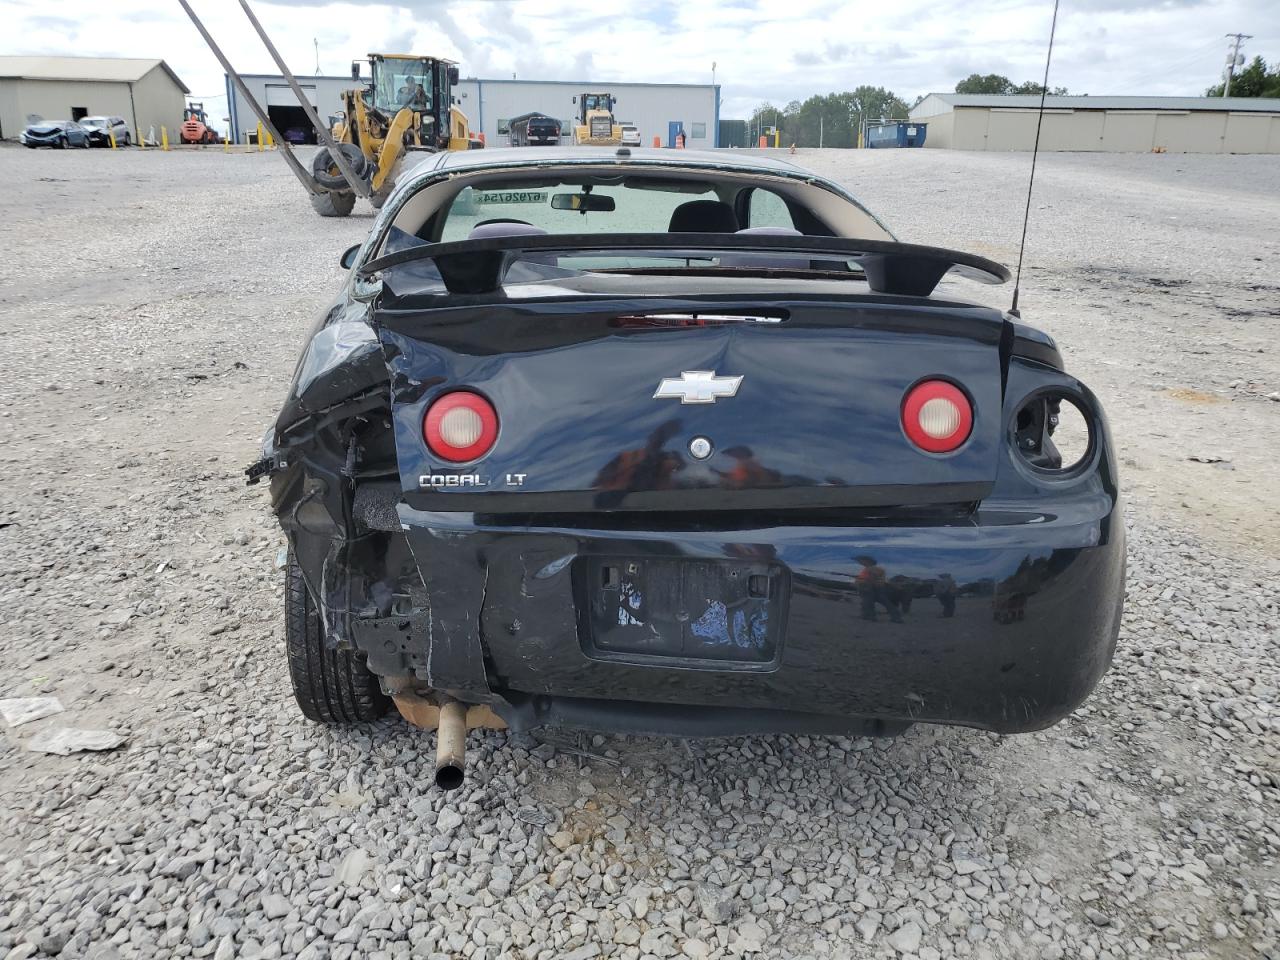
1113 131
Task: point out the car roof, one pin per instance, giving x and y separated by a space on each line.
732 160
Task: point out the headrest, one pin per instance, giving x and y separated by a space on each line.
703 216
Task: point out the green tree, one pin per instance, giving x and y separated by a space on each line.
995 83
829 120
1255 80
991 83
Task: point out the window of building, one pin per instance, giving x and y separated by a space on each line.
504 126
699 131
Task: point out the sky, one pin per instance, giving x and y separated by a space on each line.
762 50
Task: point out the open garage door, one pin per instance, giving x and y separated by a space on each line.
290 119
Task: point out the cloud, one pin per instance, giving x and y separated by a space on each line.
776 50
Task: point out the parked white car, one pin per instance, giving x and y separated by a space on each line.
100 129
630 135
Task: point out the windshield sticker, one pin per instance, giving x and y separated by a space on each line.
512 196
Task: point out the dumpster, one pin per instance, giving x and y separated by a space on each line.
906 134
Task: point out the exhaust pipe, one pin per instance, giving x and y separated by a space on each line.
451 745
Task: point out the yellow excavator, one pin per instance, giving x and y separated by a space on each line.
407 104
596 126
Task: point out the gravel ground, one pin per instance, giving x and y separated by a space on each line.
150 317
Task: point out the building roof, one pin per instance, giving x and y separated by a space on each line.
1032 101
109 69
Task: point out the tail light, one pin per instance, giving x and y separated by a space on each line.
937 416
460 426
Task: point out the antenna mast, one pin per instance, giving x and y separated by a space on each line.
1035 151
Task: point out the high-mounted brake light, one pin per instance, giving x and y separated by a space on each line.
460 426
937 416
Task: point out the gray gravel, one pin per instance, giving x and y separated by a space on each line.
151 315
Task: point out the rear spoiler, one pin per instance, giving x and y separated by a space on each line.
478 266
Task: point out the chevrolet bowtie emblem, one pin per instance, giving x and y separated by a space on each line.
697 386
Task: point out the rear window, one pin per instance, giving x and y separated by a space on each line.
638 207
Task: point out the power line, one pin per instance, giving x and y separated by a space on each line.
1165 69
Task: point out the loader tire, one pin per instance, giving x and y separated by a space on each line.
333 204
326 171
331 686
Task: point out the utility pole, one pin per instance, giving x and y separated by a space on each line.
1234 59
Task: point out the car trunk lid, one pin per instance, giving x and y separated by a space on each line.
606 404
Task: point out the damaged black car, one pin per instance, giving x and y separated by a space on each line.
660 442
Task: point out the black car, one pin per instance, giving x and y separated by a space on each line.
54 133
535 130
686 446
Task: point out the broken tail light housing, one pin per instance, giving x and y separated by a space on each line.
460 426
936 416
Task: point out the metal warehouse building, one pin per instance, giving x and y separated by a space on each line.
657 109
1114 124
146 93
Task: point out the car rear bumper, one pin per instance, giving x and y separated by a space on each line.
522 614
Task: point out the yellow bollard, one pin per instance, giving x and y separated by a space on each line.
142 144
226 144
271 141
164 137
260 137
111 135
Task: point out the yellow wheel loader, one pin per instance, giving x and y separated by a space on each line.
596 126
407 104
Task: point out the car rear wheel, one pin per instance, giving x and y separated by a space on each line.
62 143
333 204
331 686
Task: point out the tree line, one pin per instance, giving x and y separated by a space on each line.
1255 80
835 119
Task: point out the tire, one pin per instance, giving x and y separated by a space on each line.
331 686
126 139
62 142
333 204
326 171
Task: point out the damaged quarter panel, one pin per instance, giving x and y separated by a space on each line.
342 359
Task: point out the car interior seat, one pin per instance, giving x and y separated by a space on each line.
514 228
703 216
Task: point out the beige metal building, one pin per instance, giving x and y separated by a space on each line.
147 93
962 121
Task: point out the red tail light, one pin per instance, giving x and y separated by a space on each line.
937 416
460 426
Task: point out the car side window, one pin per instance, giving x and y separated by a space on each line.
768 210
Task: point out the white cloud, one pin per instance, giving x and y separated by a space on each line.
776 50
